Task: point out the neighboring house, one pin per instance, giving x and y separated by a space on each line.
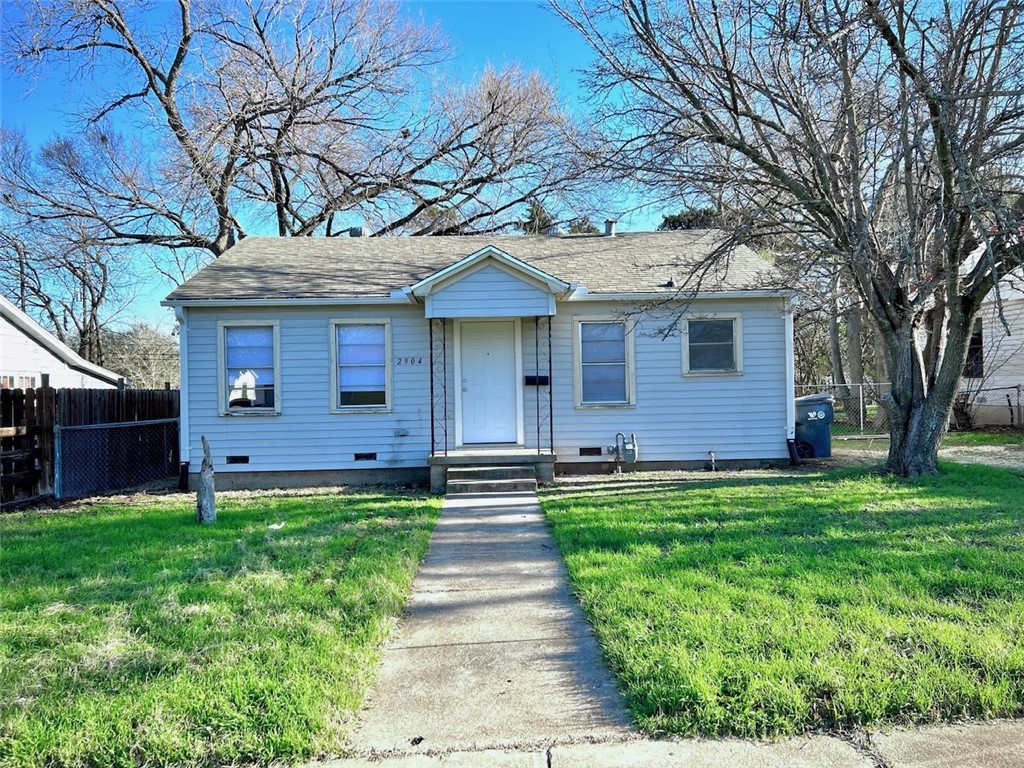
28 351
994 372
326 360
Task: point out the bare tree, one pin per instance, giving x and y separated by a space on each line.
303 117
143 354
881 137
72 284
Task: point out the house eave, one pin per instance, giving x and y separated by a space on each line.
55 346
324 301
427 285
678 295
405 296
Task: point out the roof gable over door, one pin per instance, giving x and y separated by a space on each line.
489 283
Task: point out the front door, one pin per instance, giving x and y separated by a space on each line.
489 391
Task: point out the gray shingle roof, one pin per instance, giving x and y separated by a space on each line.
344 267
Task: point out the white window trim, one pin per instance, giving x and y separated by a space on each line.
333 344
225 410
737 345
577 366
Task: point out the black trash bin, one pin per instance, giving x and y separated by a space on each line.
814 416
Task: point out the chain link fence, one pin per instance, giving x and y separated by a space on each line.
988 407
100 458
858 408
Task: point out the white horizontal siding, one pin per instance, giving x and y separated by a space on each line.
488 292
21 355
1003 362
1003 354
676 417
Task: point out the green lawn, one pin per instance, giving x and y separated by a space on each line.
131 636
766 606
1012 439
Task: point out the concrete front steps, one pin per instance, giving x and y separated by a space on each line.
491 469
487 479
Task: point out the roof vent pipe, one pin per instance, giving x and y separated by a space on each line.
609 228
355 231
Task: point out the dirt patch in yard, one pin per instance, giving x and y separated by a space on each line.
845 453
851 453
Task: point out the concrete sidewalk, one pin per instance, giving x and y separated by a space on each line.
494 651
495 665
998 744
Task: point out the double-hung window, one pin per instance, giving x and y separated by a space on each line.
713 345
250 369
361 365
604 363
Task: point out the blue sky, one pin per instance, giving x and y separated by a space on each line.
481 32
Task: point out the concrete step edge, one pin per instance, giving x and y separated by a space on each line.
491 486
525 472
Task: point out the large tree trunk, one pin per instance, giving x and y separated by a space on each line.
919 404
915 430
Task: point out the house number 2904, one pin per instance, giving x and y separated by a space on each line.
408 361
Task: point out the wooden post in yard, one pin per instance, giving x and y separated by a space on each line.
206 510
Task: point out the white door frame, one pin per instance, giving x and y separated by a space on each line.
517 342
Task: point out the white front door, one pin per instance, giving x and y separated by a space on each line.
489 388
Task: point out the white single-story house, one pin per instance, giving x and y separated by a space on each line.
994 373
337 360
28 352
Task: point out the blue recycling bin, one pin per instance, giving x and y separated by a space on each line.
814 417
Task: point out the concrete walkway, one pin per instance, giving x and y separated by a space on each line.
494 665
494 651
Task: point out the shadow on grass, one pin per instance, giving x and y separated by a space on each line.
767 606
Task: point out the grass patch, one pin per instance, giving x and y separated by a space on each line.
774 606
1010 439
131 636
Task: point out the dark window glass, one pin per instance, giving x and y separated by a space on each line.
712 345
974 368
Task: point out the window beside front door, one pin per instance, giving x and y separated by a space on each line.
713 345
604 370
361 365
249 369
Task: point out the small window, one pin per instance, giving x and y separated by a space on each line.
713 345
605 363
974 367
249 367
361 355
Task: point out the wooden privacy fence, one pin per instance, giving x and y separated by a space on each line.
31 426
